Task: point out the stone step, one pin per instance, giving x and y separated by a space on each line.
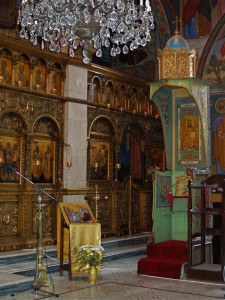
17 269
26 255
27 268
11 283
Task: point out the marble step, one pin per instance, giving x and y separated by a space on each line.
27 268
18 277
17 256
17 268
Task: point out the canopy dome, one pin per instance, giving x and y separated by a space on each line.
177 41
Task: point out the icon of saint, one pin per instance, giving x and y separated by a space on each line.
39 82
22 77
218 129
4 73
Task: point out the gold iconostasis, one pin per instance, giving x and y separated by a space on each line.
32 125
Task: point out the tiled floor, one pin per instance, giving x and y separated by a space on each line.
119 280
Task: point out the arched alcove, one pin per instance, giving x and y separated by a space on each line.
12 146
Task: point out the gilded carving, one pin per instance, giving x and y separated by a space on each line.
102 125
20 113
102 210
104 213
45 126
123 208
8 219
176 63
135 206
31 107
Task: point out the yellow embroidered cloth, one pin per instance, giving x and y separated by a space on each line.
80 234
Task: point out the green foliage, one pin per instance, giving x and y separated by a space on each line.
88 256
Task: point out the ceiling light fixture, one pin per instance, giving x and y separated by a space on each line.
119 24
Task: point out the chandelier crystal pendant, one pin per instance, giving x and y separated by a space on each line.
86 23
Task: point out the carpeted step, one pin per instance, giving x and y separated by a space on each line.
164 259
171 249
159 267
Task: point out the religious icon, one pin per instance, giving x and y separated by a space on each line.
92 92
48 164
144 106
133 101
38 82
121 99
189 142
85 214
108 97
4 75
42 161
10 152
163 186
189 136
73 216
54 83
22 77
78 214
37 157
218 129
99 160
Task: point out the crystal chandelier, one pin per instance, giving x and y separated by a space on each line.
87 23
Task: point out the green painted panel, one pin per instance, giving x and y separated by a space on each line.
179 224
162 224
161 209
163 101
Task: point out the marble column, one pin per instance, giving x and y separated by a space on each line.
75 133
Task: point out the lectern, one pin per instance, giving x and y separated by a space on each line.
76 227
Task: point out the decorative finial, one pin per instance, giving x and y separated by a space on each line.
176 24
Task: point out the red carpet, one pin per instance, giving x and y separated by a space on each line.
164 259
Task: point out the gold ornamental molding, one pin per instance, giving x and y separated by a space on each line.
59 192
10 39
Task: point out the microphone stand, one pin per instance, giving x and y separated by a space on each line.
40 279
